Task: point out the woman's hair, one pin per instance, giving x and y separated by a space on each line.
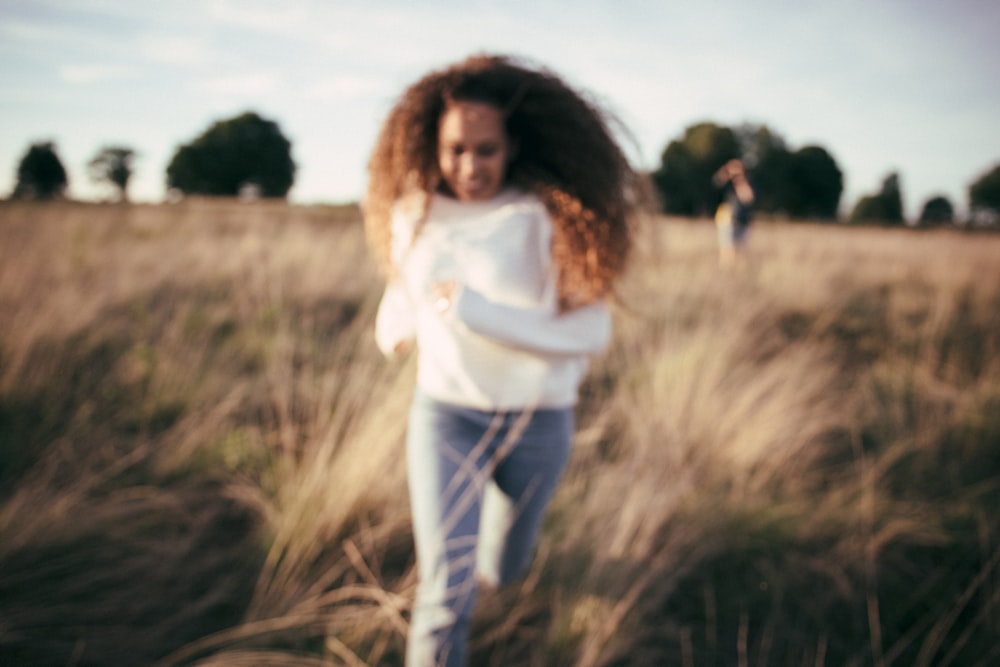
565 154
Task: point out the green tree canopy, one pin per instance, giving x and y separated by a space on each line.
886 207
113 165
243 151
758 143
768 161
937 210
40 174
684 177
984 192
806 183
814 185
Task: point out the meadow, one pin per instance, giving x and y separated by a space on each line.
201 455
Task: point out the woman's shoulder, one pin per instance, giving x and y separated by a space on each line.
405 215
409 207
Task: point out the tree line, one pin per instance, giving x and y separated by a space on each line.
248 153
233 156
797 184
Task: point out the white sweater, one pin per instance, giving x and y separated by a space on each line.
503 343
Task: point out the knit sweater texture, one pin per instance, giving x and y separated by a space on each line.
502 343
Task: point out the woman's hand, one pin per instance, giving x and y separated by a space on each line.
443 295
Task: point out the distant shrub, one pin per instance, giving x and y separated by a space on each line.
984 196
815 184
113 165
803 183
232 155
684 178
40 174
886 207
937 211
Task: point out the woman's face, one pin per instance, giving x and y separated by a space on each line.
473 150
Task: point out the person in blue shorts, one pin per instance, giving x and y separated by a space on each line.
734 214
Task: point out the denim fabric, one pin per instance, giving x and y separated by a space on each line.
480 482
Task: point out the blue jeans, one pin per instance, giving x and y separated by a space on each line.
480 482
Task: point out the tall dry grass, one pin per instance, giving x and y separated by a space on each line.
201 460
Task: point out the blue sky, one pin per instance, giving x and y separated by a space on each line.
904 85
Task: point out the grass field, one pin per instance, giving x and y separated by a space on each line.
201 451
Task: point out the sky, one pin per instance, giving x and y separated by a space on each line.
911 86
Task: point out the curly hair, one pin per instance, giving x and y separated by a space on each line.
567 156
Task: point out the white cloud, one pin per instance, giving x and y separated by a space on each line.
248 84
93 73
176 50
17 30
284 18
346 86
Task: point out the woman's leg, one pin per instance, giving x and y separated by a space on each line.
524 481
448 463
455 456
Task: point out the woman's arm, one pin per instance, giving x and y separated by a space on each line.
395 322
734 172
583 330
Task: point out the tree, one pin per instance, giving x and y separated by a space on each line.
814 185
892 199
937 210
984 192
684 177
40 174
113 165
806 183
758 143
246 150
766 156
886 207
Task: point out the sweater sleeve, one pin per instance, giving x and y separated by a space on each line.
584 330
395 322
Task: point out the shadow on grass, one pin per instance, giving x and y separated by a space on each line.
125 578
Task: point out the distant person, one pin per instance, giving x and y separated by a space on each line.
498 204
734 214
